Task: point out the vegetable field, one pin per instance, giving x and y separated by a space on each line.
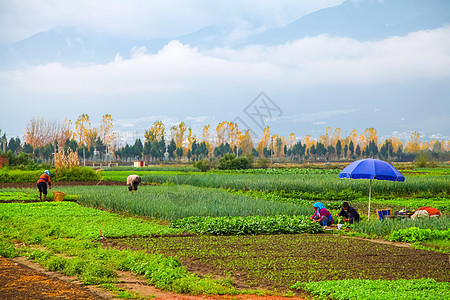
234 232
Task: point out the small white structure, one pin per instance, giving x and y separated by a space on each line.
139 163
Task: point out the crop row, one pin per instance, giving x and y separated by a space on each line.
171 202
248 225
423 187
387 227
425 288
279 171
415 234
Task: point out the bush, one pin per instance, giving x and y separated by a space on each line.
205 164
231 162
262 163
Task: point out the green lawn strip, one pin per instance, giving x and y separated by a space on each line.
69 235
171 202
425 288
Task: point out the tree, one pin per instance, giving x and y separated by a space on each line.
358 151
351 148
338 149
264 142
171 148
413 146
106 133
246 143
82 129
156 132
177 133
179 152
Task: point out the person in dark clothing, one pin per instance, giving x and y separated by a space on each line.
349 213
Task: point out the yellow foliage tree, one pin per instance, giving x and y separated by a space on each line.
264 141
156 132
413 146
82 129
177 133
246 142
106 132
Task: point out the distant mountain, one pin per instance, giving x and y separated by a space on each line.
364 20
357 19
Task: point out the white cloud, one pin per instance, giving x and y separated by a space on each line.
307 62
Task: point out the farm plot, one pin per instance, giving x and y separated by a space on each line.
279 261
423 186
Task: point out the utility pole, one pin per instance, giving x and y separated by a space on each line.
271 151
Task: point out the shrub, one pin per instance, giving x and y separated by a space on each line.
231 162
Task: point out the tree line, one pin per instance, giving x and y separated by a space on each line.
44 138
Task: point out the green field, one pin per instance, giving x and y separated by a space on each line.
241 225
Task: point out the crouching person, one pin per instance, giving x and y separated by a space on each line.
322 215
349 213
133 182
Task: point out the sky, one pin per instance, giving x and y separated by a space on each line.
396 85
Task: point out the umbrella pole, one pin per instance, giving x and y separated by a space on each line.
370 192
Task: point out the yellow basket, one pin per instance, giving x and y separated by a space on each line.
58 196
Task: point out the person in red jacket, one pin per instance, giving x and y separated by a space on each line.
42 182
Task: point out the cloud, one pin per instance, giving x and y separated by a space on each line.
309 62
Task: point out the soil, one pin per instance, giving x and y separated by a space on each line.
18 281
274 262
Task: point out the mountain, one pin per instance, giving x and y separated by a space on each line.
364 20
357 19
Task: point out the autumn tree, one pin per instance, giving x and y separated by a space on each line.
264 142
177 134
83 129
156 132
41 132
246 142
106 132
413 146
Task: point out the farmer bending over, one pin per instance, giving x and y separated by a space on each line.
133 182
322 215
42 184
349 213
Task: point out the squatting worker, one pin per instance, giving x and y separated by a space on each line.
349 213
42 182
322 215
133 182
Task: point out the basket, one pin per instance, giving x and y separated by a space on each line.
58 196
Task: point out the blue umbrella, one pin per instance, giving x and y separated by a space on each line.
371 168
